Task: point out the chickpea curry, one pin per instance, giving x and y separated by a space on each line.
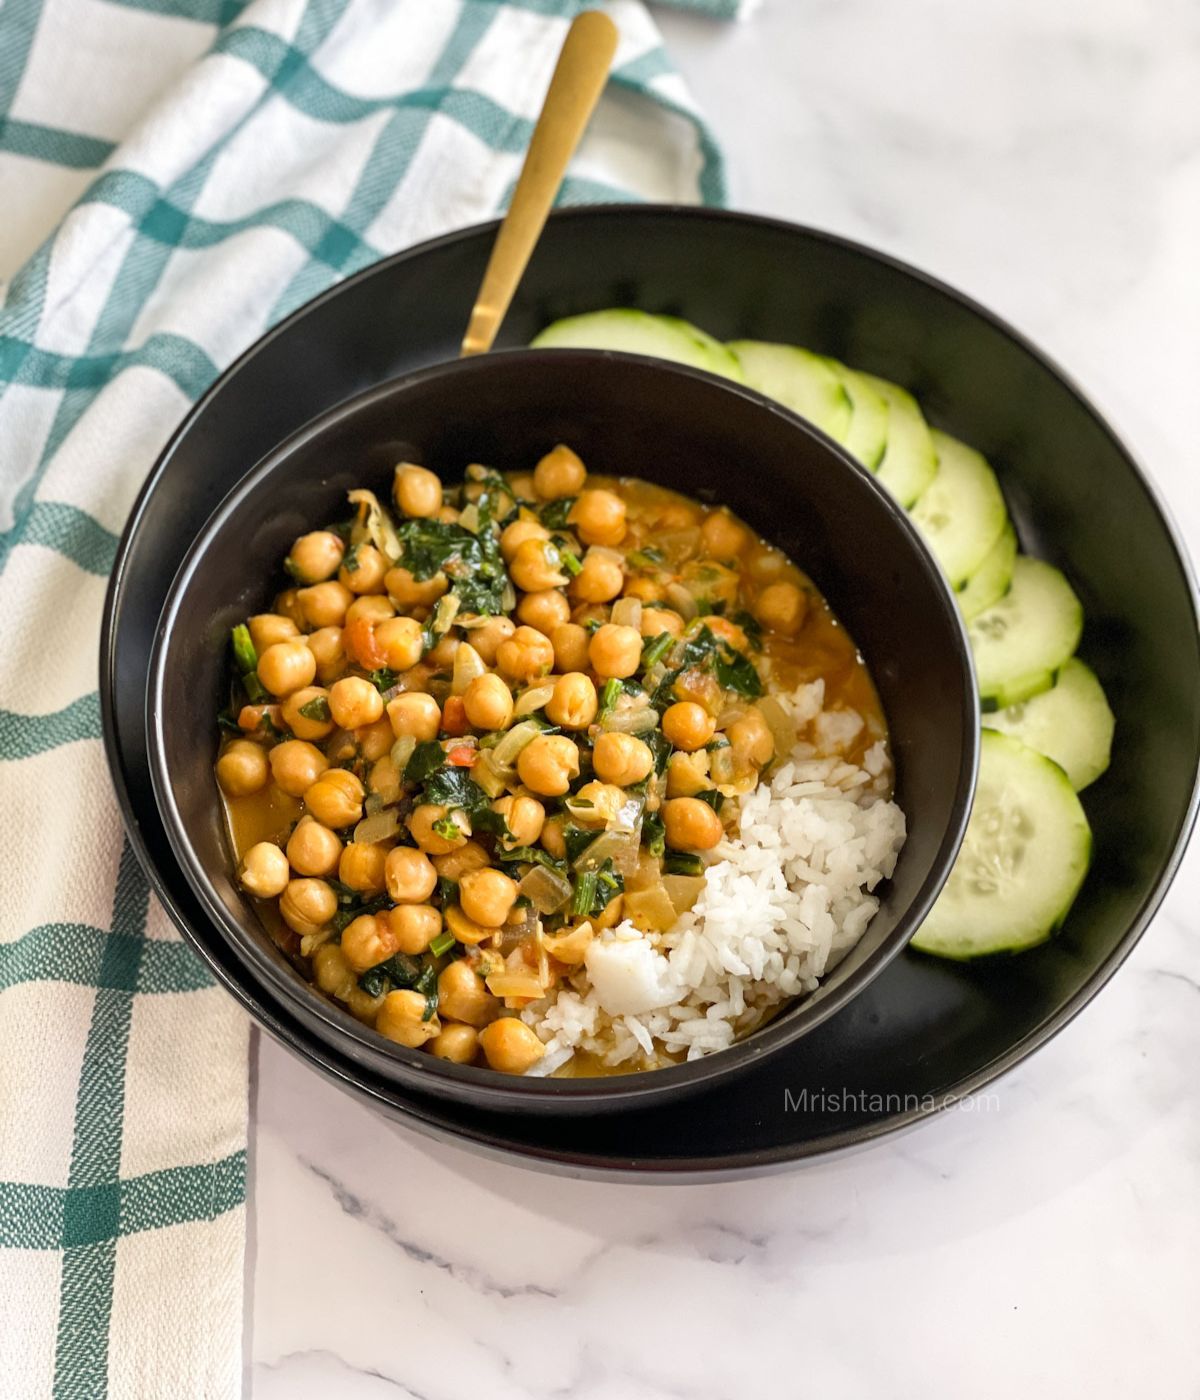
476 731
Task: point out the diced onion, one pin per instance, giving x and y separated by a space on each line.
730 715
516 984
485 773
506 751
469 519
402 751
381 826
676 546
375 525
627 612
682 601
630 721
722 767
467 665
535 698
683 890
546 890
445 613
781 725
650 910
621 847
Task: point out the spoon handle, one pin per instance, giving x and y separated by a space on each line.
575 88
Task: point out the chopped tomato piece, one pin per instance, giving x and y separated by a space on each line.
462 757
358 640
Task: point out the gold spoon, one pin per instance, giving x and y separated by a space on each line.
575 88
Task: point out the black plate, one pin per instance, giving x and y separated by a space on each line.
925 1031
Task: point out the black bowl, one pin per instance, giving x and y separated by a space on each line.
925 1033
625 415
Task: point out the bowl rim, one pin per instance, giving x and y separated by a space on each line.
487 1087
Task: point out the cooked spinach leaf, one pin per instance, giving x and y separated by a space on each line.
472 562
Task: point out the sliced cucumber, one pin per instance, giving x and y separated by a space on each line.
909 461
989 583
1034 628
799 380
962 512
1026 851
639 333
1020 689
866 438
1071 724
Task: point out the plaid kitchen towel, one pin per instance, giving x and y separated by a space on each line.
175 176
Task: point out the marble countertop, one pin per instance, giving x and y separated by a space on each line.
1045 159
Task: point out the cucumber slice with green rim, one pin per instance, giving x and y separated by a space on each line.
961 513
639 333
1020 689
1071 724
989 583
799 380
1027 849
909 462
866 438
1034 628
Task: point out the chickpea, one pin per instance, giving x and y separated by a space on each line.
315 557
513 536
488 702
296 765
456 1043
553 841
371 608
242 768
781 607
656 621
524 817
463 995
687 726
455 864
300 725
599 518
467 930
364 573
536 565
409 875
287 666
306 906
362 1006
610 915
287 604
417 492
413 927
677 515
400 641
264 871
622 759
332 972
486 639
600 580
559 473
615 650
752 739
313 849
367 941
691 825
325 604
407 592
434 843
441 656
384 778
326 645
268 628
724 536
728 631
646 590
402 1019
526 655
362 867
544 610
354 701
603 802
510 1045
570 642
414 713
548 763
487 896
687 774
335 799
374 740
574 703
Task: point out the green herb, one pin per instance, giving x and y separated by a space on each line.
447 828
585 892
266 725
441 944
316 709
720 742
715 799
736 671
472 562
656 649
229 724
553 514
398 971
431 1003
654 833
530 855
447 891
351 905
570 562
577 839
646 557
426 758
455 788
751 626
350 562
383 679
596 889
608 697
680 863
660 746
243 649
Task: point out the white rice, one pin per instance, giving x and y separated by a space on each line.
781 906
